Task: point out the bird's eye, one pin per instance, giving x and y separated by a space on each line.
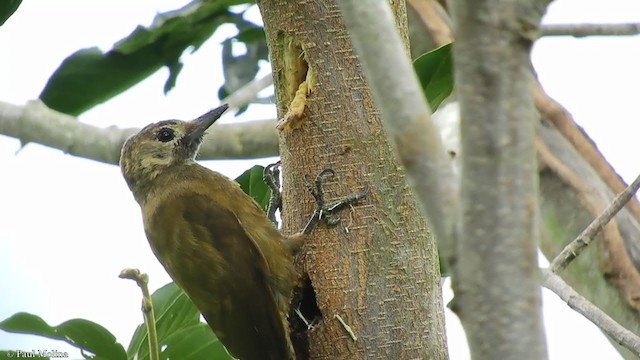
165 135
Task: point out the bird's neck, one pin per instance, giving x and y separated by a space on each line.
148 183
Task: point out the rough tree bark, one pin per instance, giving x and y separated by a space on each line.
375 276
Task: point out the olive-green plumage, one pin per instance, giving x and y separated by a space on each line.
213 239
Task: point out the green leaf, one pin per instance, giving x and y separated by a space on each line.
173 311
435 72
7 355
181 334
90 77
7 8
252 184
251 34
15 354
81 333
195 342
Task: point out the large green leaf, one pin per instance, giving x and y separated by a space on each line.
90 77
181 334
435 72
173 311
7 8
194 343
81 333
252 184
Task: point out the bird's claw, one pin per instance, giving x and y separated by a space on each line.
271 177
325 212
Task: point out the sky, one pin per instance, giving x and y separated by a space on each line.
69 225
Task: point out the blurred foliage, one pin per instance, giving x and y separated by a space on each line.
238 70
81 333
435 72
181 335
7 8
251 181
90 77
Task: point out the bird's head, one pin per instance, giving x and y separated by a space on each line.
161 145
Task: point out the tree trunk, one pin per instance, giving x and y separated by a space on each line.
496 277
373 279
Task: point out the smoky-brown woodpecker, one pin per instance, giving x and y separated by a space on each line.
214 240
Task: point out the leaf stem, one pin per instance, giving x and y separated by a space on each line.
147 309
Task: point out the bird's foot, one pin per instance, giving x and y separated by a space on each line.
325 212
271 177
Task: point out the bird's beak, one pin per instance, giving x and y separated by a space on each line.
197 127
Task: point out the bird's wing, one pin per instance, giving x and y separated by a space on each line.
225 274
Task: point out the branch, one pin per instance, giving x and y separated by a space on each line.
248 92
582 30
580 304
496 247
562 120
34 122
583 240
435 20
406 116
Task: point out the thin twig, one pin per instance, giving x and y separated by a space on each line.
435 19
147 309
573 249
346 327
304 320
582 30
593 313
